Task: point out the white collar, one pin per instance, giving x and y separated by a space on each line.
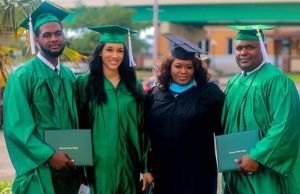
48 63
254 70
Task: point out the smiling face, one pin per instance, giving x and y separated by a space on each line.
51 39
182 71
248 54
112 56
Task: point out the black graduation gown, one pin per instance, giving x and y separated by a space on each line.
181 130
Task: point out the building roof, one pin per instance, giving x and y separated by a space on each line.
97 3
224 14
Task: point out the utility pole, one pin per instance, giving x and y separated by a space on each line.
156 30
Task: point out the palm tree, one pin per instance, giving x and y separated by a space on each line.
11 13
14 11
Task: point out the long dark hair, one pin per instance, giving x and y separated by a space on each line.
95 87
164 77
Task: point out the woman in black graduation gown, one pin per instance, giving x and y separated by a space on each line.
183 112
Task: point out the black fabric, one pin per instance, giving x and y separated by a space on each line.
182 48
181 130
180 53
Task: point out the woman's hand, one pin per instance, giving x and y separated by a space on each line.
147 178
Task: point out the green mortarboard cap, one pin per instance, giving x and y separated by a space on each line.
112 33
45 13
250 32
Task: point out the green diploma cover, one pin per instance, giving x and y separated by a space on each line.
76 143
234 146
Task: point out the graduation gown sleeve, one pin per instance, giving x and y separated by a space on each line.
27 149
278 148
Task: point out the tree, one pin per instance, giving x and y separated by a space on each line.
99 16
12 13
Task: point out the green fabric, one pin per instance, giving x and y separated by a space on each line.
37 98
112 33
46 12
273 107
43 19
112 38
118 139
251 27
249 35
249 32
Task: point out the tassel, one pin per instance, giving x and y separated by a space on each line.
262 47
31 36
131 59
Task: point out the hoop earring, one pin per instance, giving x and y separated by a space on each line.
170 81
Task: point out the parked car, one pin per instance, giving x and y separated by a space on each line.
148 83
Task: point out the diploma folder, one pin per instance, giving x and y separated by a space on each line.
233 146
76 143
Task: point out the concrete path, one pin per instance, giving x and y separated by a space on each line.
7 171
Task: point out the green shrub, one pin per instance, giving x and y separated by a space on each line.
5 187
295 77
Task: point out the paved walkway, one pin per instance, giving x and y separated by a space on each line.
7 171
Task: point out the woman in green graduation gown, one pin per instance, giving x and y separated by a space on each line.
111 103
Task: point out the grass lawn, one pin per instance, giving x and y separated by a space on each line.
295 77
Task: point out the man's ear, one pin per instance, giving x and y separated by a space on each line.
36 42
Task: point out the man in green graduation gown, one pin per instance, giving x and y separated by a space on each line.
39 95
262 98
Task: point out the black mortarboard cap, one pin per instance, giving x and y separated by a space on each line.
182 48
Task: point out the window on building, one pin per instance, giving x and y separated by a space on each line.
204 44
230 46
298 47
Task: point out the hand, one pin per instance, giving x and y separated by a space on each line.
247 165
60 160
147 178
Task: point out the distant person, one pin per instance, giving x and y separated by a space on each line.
182 113
262 98
40 95
111 102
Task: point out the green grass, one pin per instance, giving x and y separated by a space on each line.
5 187
295 77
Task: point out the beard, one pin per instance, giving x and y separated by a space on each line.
50 53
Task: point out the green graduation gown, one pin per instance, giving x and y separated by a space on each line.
273 107
37 98
118 139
